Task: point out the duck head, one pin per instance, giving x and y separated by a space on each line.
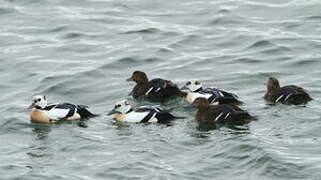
193 86
138 77
121 107
201 103
38 102
272 84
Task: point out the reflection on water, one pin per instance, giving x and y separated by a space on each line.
237 128
41 131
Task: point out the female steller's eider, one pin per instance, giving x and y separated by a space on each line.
223 113
125 113
286 95
213 95
43 113
155 89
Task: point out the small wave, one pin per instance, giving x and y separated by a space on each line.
57 29
276 50
300 62
129 61
72 35
248 60
224 11
261 43
165 50
120 62
144 31
312 17
225 20
4 11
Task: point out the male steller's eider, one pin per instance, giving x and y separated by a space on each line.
125 113
213 95
43 113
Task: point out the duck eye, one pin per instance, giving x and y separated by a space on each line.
39 99
188 83
197 82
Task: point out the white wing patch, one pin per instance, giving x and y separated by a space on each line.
218 117
215 103
221 94
57 114
227 115
156 107
287 97
150 89
135 116
279 98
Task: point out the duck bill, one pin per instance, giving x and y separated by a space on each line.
112 112
130 79
184 88
31 106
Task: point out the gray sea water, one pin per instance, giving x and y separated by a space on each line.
82 51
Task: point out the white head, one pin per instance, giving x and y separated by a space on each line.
121 107
38 102
193 85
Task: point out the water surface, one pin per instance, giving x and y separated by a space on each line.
82 51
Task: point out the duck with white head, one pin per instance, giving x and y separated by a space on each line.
213 95
143 114
41 112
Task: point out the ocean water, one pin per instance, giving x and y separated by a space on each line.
82 51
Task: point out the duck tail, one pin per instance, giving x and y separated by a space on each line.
299 98
238 102
245 116
166 117
179 117
84 112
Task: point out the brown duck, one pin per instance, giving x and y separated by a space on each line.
223 113
286 95
155 89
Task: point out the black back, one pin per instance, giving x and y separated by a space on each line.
225 113
220 96
289 95
163 116
157 90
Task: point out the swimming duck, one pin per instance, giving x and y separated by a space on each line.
213 95
223 113
286 95
43 113
125 113
155 89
